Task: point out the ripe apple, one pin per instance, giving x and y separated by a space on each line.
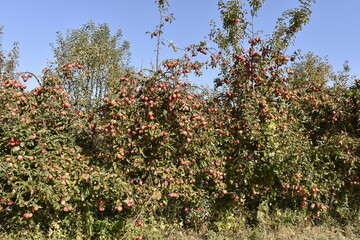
28 215
112 103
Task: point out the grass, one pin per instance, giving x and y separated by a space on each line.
259 233
285 226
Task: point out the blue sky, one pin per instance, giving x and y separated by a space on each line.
333 31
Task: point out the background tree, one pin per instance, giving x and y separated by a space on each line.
8 63
90 59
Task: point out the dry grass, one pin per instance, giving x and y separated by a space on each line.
305 233
265 232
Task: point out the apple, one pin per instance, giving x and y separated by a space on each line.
28 215
139 223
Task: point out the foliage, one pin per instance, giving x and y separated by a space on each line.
274 139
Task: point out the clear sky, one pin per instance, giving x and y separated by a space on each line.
334 29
